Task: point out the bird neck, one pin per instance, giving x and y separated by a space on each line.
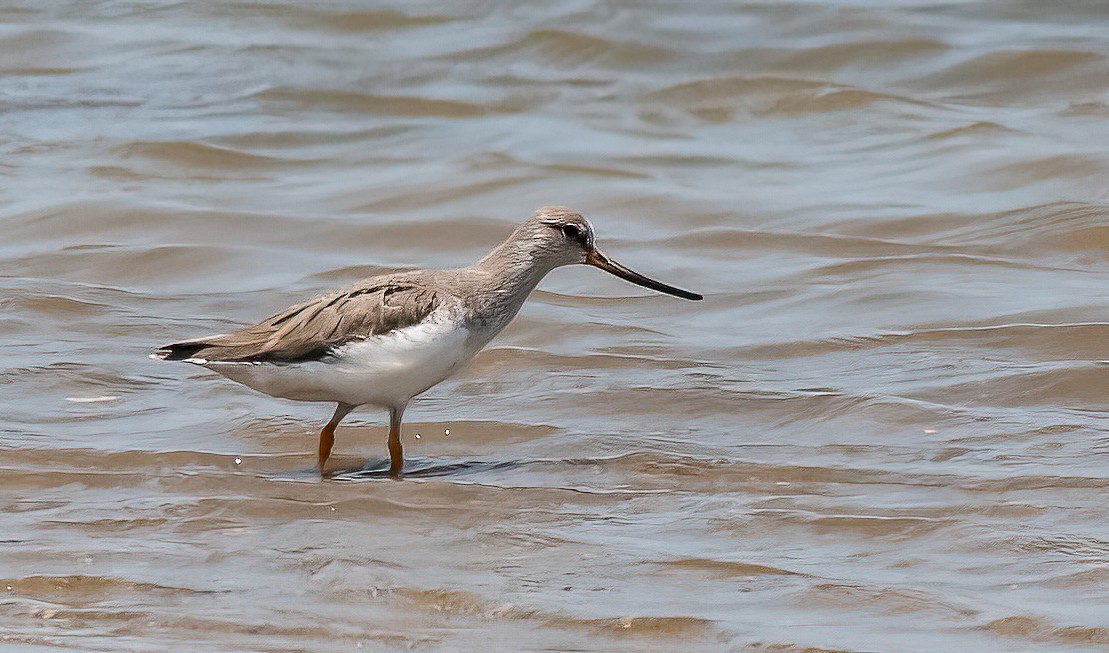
507 275
520 262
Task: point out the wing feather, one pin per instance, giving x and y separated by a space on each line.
310 330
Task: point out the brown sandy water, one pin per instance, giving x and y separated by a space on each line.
884 429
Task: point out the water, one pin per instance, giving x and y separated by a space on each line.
883 430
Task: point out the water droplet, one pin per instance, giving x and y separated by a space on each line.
417 436
238 461
447 432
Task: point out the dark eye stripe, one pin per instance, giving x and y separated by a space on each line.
575 233
571 231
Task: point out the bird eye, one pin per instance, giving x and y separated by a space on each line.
571 231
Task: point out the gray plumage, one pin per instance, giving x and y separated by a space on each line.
490 292
310 330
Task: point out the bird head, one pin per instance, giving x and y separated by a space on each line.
563 236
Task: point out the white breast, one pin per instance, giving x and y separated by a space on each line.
385 370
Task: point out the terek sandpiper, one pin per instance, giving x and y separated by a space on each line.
389 338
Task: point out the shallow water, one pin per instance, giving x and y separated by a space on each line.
884 429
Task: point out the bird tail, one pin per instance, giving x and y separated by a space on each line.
188 350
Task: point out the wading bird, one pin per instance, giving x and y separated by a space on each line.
390 338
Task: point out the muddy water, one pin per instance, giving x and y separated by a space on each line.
884 429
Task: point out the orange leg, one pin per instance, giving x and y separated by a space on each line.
396 451
327 434
327 440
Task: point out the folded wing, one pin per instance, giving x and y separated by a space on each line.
310 331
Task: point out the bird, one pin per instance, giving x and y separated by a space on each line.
387 339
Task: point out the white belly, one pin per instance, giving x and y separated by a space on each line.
385 370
